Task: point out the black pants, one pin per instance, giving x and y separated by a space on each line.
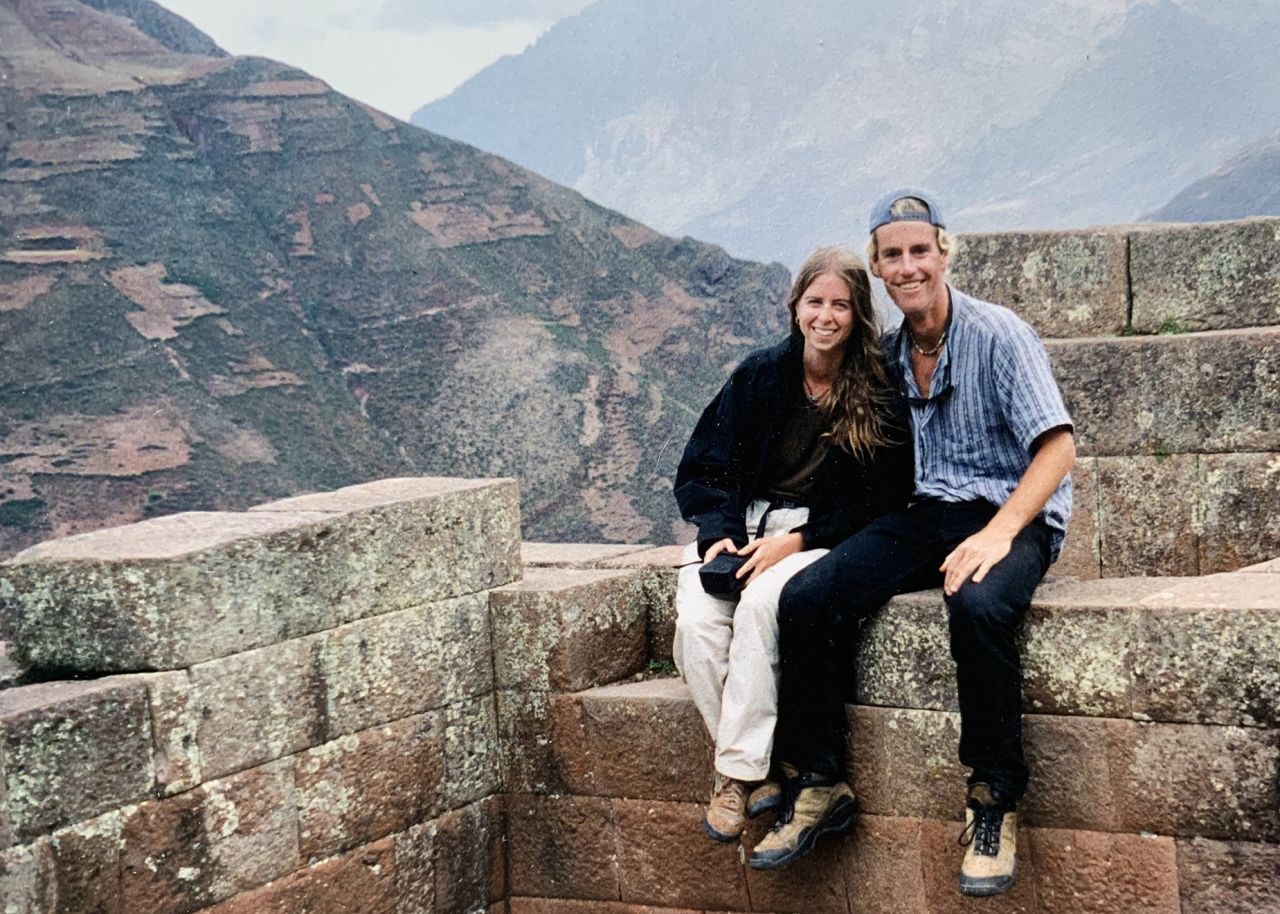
822 607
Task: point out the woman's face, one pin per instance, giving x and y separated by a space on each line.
825 314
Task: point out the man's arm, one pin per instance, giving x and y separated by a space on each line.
1054 455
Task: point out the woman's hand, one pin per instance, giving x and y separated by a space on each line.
724 545
767 552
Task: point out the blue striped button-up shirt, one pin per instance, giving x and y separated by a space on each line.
992 394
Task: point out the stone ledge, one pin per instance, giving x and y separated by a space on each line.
179 590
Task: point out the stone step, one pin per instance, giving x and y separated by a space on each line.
180 590
646 741
609 856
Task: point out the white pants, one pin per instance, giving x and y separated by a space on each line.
727 650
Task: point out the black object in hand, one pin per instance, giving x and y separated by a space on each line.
718 575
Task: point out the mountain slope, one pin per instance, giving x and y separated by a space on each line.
1248 184
769 131
224 282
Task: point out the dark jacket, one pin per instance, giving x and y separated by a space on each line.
720 471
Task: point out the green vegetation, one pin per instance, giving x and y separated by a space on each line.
1170 326
661 668
20 513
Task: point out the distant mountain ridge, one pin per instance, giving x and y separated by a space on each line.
744 124
222 282
1247 184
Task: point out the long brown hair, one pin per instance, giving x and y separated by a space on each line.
858 405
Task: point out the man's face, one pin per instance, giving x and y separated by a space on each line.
912 266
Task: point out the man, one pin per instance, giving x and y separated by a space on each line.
993 449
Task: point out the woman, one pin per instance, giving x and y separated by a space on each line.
803 445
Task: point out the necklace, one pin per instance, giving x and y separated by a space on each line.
808 391
928 352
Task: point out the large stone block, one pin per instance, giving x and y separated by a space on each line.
1082 550
395 665
71 750
1147 512
903 657
469 866
1076 657
179 590
209 844
1064 283
1209 665
568 629
903 762
665 858
526 729
941 855
366 876
1186 780
658 568
562 847
1206 277
572 555
1094 873
472 752
86 873
817 882
26 881
1216 877
1070 783
637 740
571 906
366 785
258 705
1237 518
1216 392
174 723
884 870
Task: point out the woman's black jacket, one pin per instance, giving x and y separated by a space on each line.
720 471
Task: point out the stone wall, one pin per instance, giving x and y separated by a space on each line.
1166 341
371 707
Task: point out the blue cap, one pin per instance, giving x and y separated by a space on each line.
880 214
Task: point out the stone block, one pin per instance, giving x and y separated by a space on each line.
472 753
470 865
568 629
1271 566
572 555
85 872
1147 514
1237 517
1070 782
179 590
71 750
1188 780
903 762
27 885
392 666
1096 873
1216 392
658 568
1076 659
258 705
883 867
209 844
1082 550
563 847
367 874
570 906
665 858
1218 876
174 724
903 657
1064 283
415 869
1206 276
11 672
942 856
363 786
637 740
1211 665
531 740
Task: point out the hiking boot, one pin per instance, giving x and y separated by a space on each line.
990 837
726 814
766 795
817 808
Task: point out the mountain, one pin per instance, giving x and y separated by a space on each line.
222 282
1247 184
770 128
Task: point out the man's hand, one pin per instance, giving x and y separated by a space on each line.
974 558
766 552
724 545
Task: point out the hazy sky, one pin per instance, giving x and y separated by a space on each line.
394 54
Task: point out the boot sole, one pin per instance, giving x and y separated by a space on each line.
837 819
764 806
986 886
719 836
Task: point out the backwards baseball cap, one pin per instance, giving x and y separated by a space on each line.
881 213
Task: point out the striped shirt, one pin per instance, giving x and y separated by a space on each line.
992 394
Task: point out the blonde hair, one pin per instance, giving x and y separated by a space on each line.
910 205
857 407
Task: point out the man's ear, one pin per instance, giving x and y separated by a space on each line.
875 271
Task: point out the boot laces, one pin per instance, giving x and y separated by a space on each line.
983 830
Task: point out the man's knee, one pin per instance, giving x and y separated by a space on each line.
983 605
